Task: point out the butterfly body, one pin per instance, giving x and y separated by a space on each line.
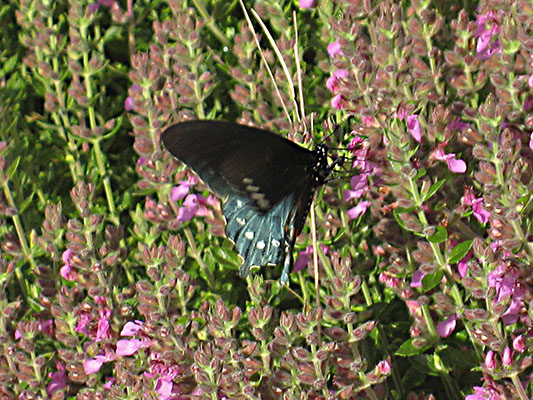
266 182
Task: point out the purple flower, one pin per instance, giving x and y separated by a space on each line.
307 4
457 124
334 48
530 81
179 192
479 212
531 141
454 164
58 380
163 388
190 206
109 383
358 210
359 186
462 266
414 127
416 279
446 327
104 330
128 104
487 28
306 256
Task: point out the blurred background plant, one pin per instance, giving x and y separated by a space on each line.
117 280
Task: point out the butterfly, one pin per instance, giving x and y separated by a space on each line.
266 183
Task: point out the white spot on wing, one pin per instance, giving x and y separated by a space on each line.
241 221
252 188
247 181
260 245
249 235
239 203
275 243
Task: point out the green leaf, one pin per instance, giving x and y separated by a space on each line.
26 203
407 349
436 186
401 210
430 281
12 168
458 252
440 235
419 174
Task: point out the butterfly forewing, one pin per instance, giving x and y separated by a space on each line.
233 158
267 183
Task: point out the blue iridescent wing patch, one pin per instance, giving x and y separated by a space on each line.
260 238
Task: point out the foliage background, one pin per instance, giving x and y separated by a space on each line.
109 290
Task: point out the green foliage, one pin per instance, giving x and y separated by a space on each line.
107 291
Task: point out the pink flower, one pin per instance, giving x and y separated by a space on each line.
93 365
446 327
369 120
104 330
454 164
519 344
333 80
164 388
462 266
337 102
384 366
490 361
507 357
190 206
66 271
479 212
131 328
306 256
179 192
531 141
128 347
358 210
334 48
58 380
414 127
487 28
359 186
307 4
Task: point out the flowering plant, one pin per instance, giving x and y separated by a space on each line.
117 280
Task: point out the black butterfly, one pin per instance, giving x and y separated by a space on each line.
266 182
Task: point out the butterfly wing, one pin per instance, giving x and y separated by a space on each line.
266 180
233 158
